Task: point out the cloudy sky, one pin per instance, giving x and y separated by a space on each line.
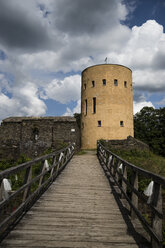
45 44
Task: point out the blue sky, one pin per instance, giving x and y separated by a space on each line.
146 10
45 44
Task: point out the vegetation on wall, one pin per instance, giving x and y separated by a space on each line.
149 127
6 164
78 119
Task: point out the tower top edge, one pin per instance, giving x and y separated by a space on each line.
106 65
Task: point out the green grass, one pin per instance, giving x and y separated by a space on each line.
144 159
6 164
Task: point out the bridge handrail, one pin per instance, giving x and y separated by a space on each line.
149 174
111 163
49 170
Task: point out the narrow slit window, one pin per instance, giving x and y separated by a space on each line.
94 105
99 123
125 84
85 86
104 82
93 83
122 123
115 82
86 106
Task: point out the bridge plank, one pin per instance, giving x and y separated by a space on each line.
78 211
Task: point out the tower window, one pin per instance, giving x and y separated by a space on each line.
115 82
93 83
122 123
85 86
86 106
94 105
99 123
125 84
104 82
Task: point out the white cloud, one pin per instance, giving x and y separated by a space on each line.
8 106
77 109
71 52
140 101
28 97
51 61
143 44
68 112
149 80
137 106
24 102
144 53
65 90
4 84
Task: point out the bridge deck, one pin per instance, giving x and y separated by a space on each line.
78 210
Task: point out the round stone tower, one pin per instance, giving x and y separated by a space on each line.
106 104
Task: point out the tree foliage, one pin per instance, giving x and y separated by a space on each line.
78 119
149 127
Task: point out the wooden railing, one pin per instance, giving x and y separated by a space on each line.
28 181
128 178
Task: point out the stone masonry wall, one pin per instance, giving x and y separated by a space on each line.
35 143
128 144
10 134
34 135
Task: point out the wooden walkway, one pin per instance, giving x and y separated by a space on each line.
77 211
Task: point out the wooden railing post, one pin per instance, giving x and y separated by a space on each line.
62 161
156 200
112 166
53 166
109 161
105 158
117 170
28 177
65 157
58 166
1 197
134 197
100 154
123 184
42 170
1 191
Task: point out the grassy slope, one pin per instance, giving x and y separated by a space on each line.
144 159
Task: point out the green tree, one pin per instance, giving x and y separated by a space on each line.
149 126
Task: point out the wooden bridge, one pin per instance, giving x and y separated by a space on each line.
83 207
